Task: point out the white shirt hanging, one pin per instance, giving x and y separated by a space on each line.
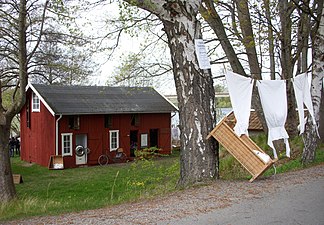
240 91
303 96
274 103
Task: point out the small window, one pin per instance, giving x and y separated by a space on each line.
114 139
35 103
67 144
74 122
135 120
143 140
28 113
108 121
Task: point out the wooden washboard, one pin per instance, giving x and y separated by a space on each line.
241 148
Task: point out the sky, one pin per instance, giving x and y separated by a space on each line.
127 45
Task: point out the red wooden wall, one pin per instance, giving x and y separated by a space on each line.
37 140
98 135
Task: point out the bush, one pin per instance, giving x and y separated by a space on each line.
147 153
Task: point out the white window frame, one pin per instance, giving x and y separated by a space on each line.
144 140
69 153
111 146
35 103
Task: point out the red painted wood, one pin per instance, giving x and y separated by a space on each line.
37 141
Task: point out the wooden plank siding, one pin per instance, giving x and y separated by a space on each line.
37 140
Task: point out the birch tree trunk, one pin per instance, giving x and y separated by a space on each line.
310 137
194 86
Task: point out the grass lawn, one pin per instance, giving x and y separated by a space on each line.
45 191
50 192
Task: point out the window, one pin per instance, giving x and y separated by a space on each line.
35 103
67 144
74 122
135 120
114 139
108 121
143 140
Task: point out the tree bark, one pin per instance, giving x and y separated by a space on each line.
270 39
194 86
248 38
285 10
321 123
310 137
211 16
7 188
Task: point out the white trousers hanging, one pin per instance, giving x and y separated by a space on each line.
303 96
274 103
240 91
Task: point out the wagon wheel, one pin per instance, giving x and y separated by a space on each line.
103 160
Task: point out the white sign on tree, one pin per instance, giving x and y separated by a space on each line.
201 53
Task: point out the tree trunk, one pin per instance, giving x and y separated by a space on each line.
214 21
285 10
321 122
248 38
212 18
7 187
310 137
270 39
195 91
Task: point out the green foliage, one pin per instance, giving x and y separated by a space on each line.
223 102
147 153
53 192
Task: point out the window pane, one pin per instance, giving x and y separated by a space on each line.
66 144
35 102
114 142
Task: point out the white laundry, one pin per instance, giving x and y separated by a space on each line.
303 96
274 103
263 156
240 91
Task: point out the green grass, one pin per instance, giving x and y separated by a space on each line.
51 192
231 169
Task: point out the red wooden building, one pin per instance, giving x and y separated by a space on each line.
57 119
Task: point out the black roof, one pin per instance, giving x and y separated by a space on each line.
74 100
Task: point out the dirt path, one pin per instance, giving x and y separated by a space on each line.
192 206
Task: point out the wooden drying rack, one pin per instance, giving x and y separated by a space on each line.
241 148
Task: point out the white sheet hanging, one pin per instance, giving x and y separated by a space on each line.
303 96
240 91
274 103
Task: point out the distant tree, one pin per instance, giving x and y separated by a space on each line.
23 56
65 54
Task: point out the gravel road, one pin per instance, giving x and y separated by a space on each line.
291 198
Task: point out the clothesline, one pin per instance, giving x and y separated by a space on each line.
274 104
